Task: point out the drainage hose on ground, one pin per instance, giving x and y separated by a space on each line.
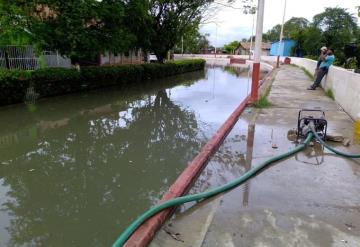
204 195
347 155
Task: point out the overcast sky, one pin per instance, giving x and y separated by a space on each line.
234 25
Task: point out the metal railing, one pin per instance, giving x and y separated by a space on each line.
53 59
24 57
18 57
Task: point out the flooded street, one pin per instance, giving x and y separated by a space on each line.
310 199
76 169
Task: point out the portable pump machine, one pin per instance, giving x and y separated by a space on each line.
308 119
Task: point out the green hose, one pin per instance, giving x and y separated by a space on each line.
196 197
331 148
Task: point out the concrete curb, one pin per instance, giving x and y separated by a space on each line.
145 233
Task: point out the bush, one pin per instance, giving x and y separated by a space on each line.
351 63
57 81
13 86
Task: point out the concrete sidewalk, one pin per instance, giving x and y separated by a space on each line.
311 199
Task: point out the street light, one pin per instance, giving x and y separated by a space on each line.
252 11
281 36
216 32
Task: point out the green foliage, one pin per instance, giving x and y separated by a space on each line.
263 102
230 48
313 41
83 29
193 42
75 28
165 23
57 81
338 28
335 27
310 75
292 29
13 85
330 94
351 63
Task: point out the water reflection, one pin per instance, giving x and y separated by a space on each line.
76 169
233 159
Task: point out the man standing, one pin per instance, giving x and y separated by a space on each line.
324 68
323 51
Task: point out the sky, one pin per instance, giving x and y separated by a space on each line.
232 24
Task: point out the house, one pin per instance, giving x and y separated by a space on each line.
286 48
245 49
131 57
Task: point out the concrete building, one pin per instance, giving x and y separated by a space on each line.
286 47
245 49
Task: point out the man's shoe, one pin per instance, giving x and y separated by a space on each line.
311 88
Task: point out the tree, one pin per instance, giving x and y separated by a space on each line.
292 28
74 28
338 28
166 22
193 42
273 34
12 26
230 48
313 40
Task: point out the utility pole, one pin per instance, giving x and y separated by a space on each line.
182 45
257 56
281 36
252 33
216 37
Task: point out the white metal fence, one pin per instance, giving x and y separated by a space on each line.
53 59
24 58
19 57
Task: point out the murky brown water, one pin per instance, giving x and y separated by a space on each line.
76 169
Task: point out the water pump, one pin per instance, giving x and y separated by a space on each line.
311 118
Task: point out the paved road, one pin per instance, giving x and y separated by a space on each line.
312 199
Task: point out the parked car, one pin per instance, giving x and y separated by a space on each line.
152 58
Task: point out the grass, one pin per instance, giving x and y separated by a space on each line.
310 75
263 102
330 94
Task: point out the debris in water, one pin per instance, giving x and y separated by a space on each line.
31 170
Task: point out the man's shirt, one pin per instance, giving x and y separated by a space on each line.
329 60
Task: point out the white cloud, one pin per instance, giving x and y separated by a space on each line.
234 25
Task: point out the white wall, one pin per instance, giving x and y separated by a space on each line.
222 60
343 83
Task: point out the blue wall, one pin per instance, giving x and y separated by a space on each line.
285 47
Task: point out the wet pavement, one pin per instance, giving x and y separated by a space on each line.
311 199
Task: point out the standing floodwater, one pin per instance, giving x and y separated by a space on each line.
76 169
